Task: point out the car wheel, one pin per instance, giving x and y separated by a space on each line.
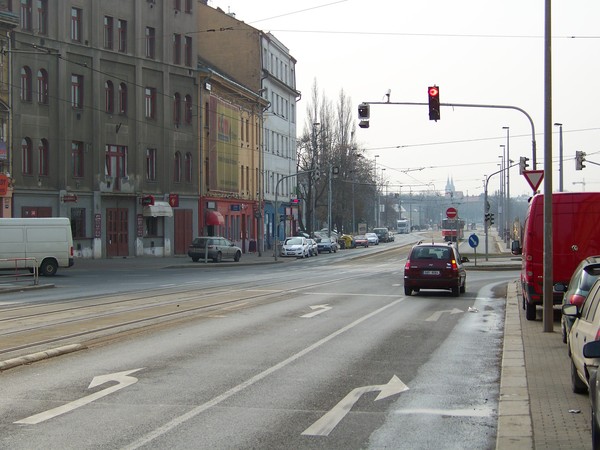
530 311
455 291
407 291
48 268
463 288
218 258
195 259
237 256
563 329
577 385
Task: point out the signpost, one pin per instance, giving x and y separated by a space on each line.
451 213
474 242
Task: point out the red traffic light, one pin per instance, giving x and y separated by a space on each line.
434 91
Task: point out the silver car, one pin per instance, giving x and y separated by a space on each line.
295 246
213 247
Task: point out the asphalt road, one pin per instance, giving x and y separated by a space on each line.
327 354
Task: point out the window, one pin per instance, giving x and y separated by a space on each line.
108 32
77 159
122 30
177 168
177 109
176 48
177 5
109 94
25 84
188 6
150 103
26 15
77 91
151 164
76 24
122 98
188 109
42 82
78 223
43 157
116 163
27 163
188 51
42 16
150 42
188 167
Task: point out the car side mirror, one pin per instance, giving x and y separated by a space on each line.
464 259
570 310
515 248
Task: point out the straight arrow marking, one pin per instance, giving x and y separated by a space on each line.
317 309
122 378
329 420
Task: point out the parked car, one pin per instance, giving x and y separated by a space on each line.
373 239
383 234
435 266
326 243
592 350
361 240
295 246
213 247
313 247
586 273
585 328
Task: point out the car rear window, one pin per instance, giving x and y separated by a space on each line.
437 253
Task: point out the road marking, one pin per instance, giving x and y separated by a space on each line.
436 315
329 421
317 309
122 378
167 427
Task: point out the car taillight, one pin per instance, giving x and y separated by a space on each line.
597 335
454 265
407 265
576 299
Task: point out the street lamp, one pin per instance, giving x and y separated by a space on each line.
560 158
313 186
376 194
508 165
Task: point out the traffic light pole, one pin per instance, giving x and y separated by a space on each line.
475 105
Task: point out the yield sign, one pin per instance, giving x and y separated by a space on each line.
534 178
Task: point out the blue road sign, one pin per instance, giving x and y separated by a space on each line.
474 240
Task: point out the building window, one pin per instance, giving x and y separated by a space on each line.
26 15
116 163
122 98
109 94
42 81
150 103
77 159
188 6
177 109
151 164
25 84
177 168
27 163
122 30
76 24
78 223
77 91
43 158
177 5
42 16
188 167
188 51
108 32
188 109
176 48
150 42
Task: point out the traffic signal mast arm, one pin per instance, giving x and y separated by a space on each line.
474 105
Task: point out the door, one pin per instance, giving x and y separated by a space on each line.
117 236
183 230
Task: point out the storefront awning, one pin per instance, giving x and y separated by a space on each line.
214 218
159 209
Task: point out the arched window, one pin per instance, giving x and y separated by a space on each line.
188 109
26 156
109 94
42 85
188 167
122 98
177 168
43 157
25 84
177 109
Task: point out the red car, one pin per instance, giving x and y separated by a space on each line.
361 240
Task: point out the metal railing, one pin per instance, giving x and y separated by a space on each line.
21 272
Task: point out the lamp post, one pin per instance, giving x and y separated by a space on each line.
508 166
560 158
376 194
501 208
313 186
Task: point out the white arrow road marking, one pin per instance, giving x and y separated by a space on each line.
329 421
122 378
436 315
317 309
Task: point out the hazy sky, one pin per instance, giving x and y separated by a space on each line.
477 52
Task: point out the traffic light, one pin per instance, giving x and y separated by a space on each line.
579 160
523 164
364 114
434 102
491 219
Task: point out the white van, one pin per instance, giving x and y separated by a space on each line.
48 240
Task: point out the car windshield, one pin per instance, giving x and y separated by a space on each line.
294 241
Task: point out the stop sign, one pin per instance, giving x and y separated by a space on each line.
451 213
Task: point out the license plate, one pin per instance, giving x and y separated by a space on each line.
431 272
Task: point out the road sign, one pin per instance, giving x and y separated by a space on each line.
474 240
534 178
451 213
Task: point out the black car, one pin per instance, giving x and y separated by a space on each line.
435 266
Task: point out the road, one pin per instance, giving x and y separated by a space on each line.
320 353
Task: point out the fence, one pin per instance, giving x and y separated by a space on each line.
17 271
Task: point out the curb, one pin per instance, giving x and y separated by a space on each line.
39 356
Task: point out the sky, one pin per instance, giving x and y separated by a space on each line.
483 52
